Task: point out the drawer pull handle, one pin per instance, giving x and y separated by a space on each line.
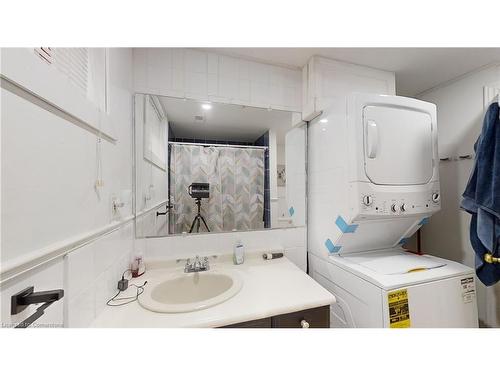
304 323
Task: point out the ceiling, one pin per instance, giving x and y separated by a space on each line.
228 122
417 69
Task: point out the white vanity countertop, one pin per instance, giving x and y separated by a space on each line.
270 288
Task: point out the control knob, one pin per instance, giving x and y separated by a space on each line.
435 197
404 207
395 208
367 200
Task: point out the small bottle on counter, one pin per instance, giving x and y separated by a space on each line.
238 253
138 266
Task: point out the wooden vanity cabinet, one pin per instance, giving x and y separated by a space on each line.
318 317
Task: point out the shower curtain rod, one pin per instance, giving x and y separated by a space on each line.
216 145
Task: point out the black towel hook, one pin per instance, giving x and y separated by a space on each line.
26 297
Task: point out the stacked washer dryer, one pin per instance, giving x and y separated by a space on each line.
373 182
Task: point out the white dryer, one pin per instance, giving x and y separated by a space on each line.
373 181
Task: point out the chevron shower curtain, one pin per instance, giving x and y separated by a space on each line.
236 178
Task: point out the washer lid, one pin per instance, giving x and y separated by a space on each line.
394 268
397 263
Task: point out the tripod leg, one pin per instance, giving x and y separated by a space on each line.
192 225
197 224
204 222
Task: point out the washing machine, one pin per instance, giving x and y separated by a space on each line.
397 289
373 181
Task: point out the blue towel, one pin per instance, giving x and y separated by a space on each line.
482 197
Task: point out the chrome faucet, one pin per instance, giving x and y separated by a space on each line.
198 265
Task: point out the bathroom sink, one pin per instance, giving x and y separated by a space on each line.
183 292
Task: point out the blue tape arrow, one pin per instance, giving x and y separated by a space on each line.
344 227
332 249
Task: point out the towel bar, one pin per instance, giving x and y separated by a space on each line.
489 258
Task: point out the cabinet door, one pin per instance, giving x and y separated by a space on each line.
259 323
397 145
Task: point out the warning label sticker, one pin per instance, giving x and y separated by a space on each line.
468 289
399 309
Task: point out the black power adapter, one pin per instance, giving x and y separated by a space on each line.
122 284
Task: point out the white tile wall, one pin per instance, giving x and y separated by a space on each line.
291 240
197 74
325 79
92 273
63 156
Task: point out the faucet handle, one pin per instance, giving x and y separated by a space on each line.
197 261
205 264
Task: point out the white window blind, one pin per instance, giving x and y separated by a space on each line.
72 62
85 68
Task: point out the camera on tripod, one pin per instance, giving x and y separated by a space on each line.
198 191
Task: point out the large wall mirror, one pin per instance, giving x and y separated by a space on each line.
209 167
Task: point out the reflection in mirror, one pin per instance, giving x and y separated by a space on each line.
211 167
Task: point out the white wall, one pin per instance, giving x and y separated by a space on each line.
291 241
196 74
49 200
460 115
91 275
324 80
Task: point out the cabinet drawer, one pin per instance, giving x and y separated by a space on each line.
259 323
318 317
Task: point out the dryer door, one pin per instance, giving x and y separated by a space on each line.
397 145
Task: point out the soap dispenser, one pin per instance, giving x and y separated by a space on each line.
238 253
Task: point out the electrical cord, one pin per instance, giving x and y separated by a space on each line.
140 290
124 272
